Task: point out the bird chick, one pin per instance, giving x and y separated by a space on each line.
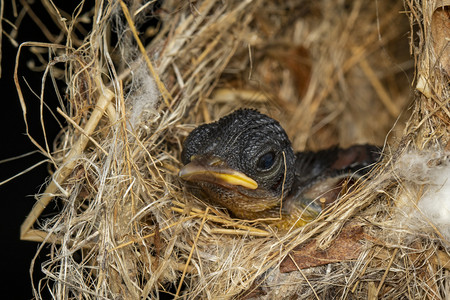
245 163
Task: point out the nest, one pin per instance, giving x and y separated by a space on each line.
332 72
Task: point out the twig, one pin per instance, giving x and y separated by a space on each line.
386 272
199 213
148 235
238 232
162 88
361 273
68 165
304 276
190 254
80 130
379 88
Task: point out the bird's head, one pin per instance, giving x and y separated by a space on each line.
244 162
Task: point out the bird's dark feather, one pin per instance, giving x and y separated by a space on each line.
241 141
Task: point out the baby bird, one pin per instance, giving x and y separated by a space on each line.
245 163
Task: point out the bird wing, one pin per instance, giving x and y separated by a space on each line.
323 174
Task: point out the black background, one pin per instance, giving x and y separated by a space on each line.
18 195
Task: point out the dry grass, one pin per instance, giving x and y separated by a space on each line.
331 71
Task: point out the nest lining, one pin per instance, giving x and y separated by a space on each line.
140 233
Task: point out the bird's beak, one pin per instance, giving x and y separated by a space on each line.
214 170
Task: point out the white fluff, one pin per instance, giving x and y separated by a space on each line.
143 96
425 200
435 203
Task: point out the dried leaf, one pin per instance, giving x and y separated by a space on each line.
345 247
440 30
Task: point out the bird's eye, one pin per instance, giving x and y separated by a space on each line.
266 161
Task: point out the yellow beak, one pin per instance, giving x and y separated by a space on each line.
214 170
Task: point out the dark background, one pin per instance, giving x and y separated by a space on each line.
18 195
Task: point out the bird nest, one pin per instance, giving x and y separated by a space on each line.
139 77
